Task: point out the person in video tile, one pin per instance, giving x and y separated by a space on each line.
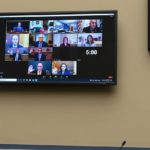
19 28
39 56
65 42
92 28
90 41
40 43
64 70
16 56
15 42
39 71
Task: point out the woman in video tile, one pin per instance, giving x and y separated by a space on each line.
90 41
64 70
65 42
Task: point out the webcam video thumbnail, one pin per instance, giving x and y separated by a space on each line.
40 54
16 54
41 26
17 41
65 26
65 40
41 40
64 68
18 27
90 40
38 68
90 26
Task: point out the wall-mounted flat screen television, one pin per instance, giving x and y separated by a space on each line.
59 47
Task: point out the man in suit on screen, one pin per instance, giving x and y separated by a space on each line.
40 43
14 42
39 71
39 56
16 56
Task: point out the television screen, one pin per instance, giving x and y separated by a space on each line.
59 47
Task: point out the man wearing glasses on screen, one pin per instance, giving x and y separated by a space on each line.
38 71
40 43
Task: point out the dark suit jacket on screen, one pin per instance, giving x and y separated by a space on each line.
11 46
14 56
67 72
44 44
42 74
88 30
36 57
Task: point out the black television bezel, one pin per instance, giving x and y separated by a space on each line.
65 13
148 12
